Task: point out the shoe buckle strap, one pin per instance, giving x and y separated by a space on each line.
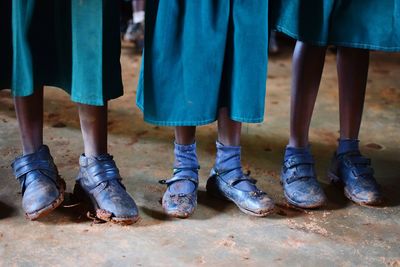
362 171
99 168
300 172
94 181
359 161
42 165
296 160
177 170
174 179
235 179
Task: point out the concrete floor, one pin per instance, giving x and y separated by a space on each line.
342 234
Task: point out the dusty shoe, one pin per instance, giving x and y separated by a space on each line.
42 187
356 174
179 204
99 181
299 182
253 202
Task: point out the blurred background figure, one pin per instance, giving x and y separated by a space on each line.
132 21
273 43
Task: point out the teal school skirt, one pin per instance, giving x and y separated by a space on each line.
71 44
5 45
200 56
368 24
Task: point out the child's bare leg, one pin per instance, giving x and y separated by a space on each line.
29 112
42 188
352 67
298 175
185 135
308 63
229 131
349 165
93 121
99 177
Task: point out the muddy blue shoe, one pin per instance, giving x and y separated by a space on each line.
42 187
299 182
176 204
100 183
355 173
252 202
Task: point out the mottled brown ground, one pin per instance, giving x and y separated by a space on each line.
218 234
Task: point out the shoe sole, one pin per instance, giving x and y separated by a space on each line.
337 181
215 193
48 209
101 214
178 215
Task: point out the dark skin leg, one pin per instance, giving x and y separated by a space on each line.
185 135
29 111
138 5
308 64
352 68
229 131
93 121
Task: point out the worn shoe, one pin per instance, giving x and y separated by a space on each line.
355 173
179 205
42 187
100 183
254 202
299 182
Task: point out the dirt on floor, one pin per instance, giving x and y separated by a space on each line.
340 234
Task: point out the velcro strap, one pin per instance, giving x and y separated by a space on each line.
102 171
103 167
234 179
301 171
43 165
296 160
360 160
179 178
361 171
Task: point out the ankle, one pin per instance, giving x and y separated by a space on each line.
186 163
291 151
346 145
31 148
228 160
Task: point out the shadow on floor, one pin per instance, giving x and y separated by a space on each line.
6 211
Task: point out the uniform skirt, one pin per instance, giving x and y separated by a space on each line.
71 44
5 45
368 24
200 56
